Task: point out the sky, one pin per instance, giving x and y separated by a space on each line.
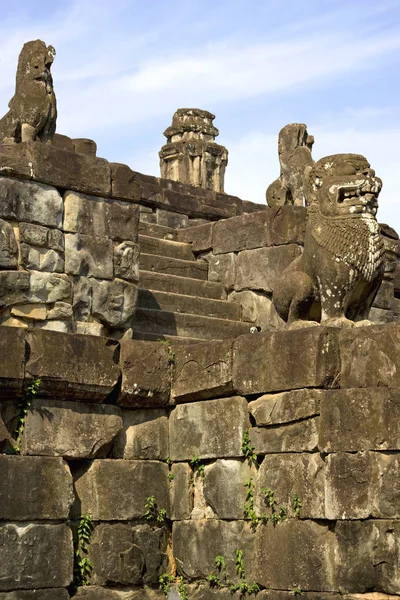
124 66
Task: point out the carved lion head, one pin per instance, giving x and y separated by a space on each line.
35 61
343 185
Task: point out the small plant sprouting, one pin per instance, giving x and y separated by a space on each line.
215 579
248 509
248 449
168 460
153 513
239 563
23 407
181 589
171 476
165 581
197 465
297 504
297 591
171 357
83 566
219 578
277 513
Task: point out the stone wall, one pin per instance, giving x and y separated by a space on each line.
69 224
276 451
248 253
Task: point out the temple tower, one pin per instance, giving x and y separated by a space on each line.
191 154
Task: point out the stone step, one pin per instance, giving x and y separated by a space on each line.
173 339
183 325
193 305
158 231
174 284
174 266
152 245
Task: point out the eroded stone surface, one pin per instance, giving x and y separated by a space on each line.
88 255
224 489
115 490
202 371
94 592
182 491
275 409
259 269
30 202
37 556
123 554
300 436
145 374
8 246
209 429
34 488
126 261
69 429
114 302
144 435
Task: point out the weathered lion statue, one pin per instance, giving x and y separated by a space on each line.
335 280
33 111
294 149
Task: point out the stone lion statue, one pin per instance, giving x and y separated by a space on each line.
33 111
294 149
335 280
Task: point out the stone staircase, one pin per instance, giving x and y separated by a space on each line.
176 301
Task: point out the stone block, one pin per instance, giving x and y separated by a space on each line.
224 489
84 146
385 296
362 485
222 269
370 357
246 232
60 310
301 436
146 374
14 161
202 371
381 316
255 307
287 225
210 538
122 554
88 255
368 556
205 592
12 352
259 269
70 170
199 236
35 556
144 435
124 183
275 409
34 488
8 246
168 218
95 592
30 202
100 217
126 261
49 287
269 362
69 429
49 594
63 141
117 490
209 429
181 491
41 259
72 366
293 554
365 419
114 302
288 475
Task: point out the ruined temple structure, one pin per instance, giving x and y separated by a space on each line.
191 154
151 445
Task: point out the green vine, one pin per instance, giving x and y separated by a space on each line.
23 408
152 512
219 579
278 513
83 567
296 504
165 581
248 509
248 449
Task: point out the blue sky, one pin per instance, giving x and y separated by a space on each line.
124 66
